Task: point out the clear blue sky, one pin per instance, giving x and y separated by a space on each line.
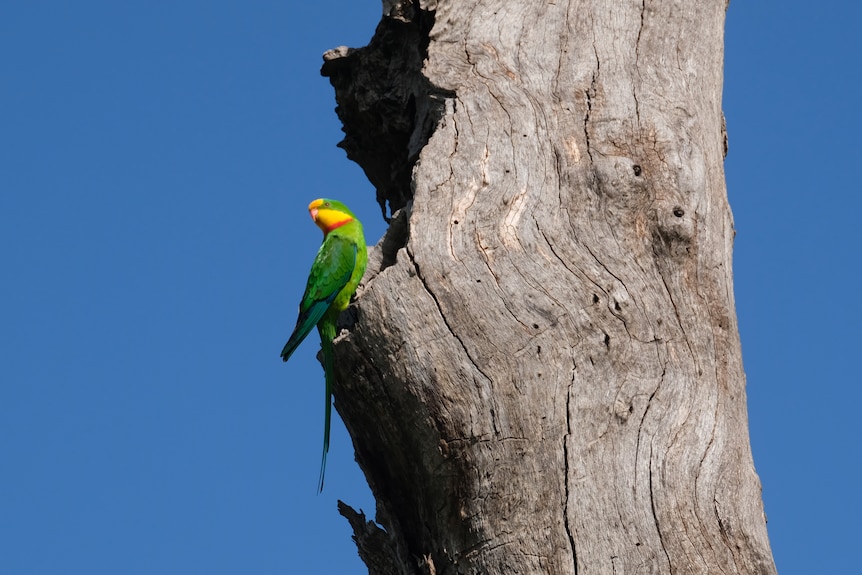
155 165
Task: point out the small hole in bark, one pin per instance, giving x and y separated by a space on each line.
678 212
607 340
535 326
637 170
454 221
617 306
538 349
595 298
478 281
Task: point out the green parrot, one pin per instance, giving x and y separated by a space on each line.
335 274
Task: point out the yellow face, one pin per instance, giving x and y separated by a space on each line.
326 218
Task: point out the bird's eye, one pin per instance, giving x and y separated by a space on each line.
326 204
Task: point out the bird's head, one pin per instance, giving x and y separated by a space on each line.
329 214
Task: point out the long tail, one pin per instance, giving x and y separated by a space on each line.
327 334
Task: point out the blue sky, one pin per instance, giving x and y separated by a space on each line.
155 165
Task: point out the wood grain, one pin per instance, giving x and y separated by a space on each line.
542 372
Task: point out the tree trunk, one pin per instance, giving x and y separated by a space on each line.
542 372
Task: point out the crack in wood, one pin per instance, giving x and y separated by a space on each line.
443 315
567 471
655 514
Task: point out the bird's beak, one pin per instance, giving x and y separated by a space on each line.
313 212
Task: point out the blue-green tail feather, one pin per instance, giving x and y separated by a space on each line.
327 334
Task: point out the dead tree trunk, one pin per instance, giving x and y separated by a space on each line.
543 370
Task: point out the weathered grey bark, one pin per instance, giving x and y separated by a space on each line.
543 371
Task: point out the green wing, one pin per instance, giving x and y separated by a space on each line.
330 272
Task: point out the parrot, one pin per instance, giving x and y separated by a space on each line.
335 274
